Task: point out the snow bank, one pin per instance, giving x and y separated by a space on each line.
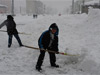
83 39
92 2
91 34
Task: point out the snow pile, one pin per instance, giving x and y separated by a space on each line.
84 39
90 32
94 15
93 2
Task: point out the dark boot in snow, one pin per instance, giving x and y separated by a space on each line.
9 46
21 45
57 66
38 68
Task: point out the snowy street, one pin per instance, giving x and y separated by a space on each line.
78 34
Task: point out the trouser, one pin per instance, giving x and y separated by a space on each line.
17 38
41 58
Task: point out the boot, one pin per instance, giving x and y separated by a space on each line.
9 45
57 66
38 68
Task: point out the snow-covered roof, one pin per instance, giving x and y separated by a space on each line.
2 5
92 2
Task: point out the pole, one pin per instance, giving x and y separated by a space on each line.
51 51
83 2
20 9
99 4
12 7
83 5
72 6
18 32
44 9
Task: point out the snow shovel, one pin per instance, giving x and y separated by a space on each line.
50 51
18 32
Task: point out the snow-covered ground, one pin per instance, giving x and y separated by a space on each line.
79 34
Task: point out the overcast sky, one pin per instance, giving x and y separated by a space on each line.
58 4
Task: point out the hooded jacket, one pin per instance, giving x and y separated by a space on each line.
10 24
45 38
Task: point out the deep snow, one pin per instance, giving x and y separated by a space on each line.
79 34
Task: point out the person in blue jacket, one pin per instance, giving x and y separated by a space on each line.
11 30
48 40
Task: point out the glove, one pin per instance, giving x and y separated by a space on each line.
41 48
57 52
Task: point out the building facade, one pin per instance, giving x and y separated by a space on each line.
34 7
3 9
7 3
79 6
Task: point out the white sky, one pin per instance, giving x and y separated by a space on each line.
58 4
55 0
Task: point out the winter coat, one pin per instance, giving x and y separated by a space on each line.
11 26
44 40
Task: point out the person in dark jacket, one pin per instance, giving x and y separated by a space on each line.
11 30
48 41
